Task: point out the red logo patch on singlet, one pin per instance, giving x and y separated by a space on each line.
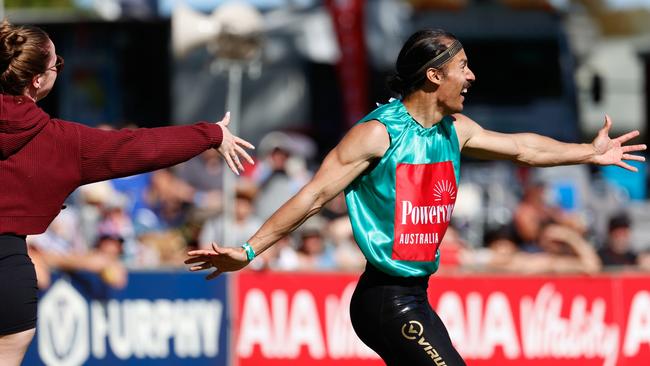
425 195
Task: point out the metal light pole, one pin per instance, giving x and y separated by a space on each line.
233 35
233 104
237 49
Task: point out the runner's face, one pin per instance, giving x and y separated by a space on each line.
455 83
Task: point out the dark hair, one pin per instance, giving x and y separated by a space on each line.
23 54
420 48
618 221
502 232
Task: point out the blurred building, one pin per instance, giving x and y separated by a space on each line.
524 52
610 40
546 66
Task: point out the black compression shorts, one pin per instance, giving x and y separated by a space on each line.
392 315
18 289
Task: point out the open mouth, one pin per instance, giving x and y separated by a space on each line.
465 89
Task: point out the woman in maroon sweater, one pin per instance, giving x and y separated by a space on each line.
43 159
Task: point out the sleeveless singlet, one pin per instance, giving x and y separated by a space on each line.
401 207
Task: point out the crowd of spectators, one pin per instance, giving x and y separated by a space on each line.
151 220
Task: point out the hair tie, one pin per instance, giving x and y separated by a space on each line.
440 60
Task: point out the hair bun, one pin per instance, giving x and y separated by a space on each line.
11 42
23 53
15 41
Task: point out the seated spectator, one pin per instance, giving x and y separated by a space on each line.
500 254
204 174
161 249
105 211
63 235
616 249
347 254
280 257
280 173
111 245
169 198
643 260
564 250
314 253
135 188
533 212
245 222
54 249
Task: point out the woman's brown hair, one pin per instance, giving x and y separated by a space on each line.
23 54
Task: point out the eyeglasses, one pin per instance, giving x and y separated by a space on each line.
58 66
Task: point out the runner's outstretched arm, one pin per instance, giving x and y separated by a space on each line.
364 143
535 150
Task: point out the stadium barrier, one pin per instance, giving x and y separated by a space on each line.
245 319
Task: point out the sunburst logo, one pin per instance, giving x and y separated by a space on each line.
444 187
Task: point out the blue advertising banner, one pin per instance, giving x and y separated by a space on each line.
159 318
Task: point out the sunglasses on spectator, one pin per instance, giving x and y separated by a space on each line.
58 66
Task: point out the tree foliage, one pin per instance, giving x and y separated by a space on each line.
17 4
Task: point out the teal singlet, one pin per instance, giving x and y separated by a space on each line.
401 207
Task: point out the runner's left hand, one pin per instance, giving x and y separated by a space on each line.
612 151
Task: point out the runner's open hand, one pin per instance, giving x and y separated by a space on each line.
221 259
612 151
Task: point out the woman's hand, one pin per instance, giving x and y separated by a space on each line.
232 147
221 259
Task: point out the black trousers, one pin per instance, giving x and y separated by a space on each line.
392 315
18 289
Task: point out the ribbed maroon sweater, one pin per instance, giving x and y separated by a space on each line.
42 159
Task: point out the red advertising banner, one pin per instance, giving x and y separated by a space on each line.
546 320
303 319
297 319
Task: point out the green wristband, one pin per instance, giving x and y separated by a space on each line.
250 253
